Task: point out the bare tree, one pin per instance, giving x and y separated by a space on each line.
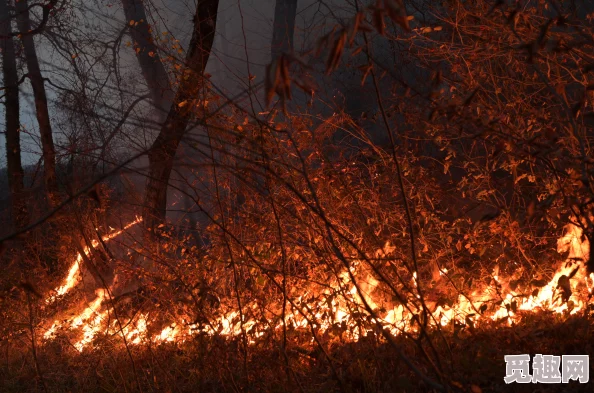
163 150
11 103
41 107
285 12
147 54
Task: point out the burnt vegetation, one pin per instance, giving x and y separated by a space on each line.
392 198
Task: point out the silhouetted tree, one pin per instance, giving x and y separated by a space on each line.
283 28
147 54
163 150
41 107
12 117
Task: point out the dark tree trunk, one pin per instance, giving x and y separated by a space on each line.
285 12
163 151
147 53
12 132
41 108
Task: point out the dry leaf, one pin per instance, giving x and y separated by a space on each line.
366 69
357 51
335 55
356 24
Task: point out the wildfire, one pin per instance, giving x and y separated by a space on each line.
89 319
73 273
564 293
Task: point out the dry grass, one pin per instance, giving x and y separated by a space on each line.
211 364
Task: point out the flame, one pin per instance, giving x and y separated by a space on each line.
73 277
90 320
82 319
336 312
136 331
169 334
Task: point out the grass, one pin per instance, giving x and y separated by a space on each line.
473 361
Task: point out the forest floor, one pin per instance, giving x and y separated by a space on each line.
472 360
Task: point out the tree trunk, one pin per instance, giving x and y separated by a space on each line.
11 103
42 112
285 12
163 151
147 53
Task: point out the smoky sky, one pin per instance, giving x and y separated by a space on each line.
242 42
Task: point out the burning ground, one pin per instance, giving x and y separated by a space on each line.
339 330
320 310
405 248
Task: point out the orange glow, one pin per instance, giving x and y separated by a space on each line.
332 311
73 277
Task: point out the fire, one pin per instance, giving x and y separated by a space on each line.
564 293
90 326
134 333
73 277
89 319
83 319
169 334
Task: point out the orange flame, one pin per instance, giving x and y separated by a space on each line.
338 310
73 277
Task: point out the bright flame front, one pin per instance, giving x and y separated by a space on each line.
564 293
